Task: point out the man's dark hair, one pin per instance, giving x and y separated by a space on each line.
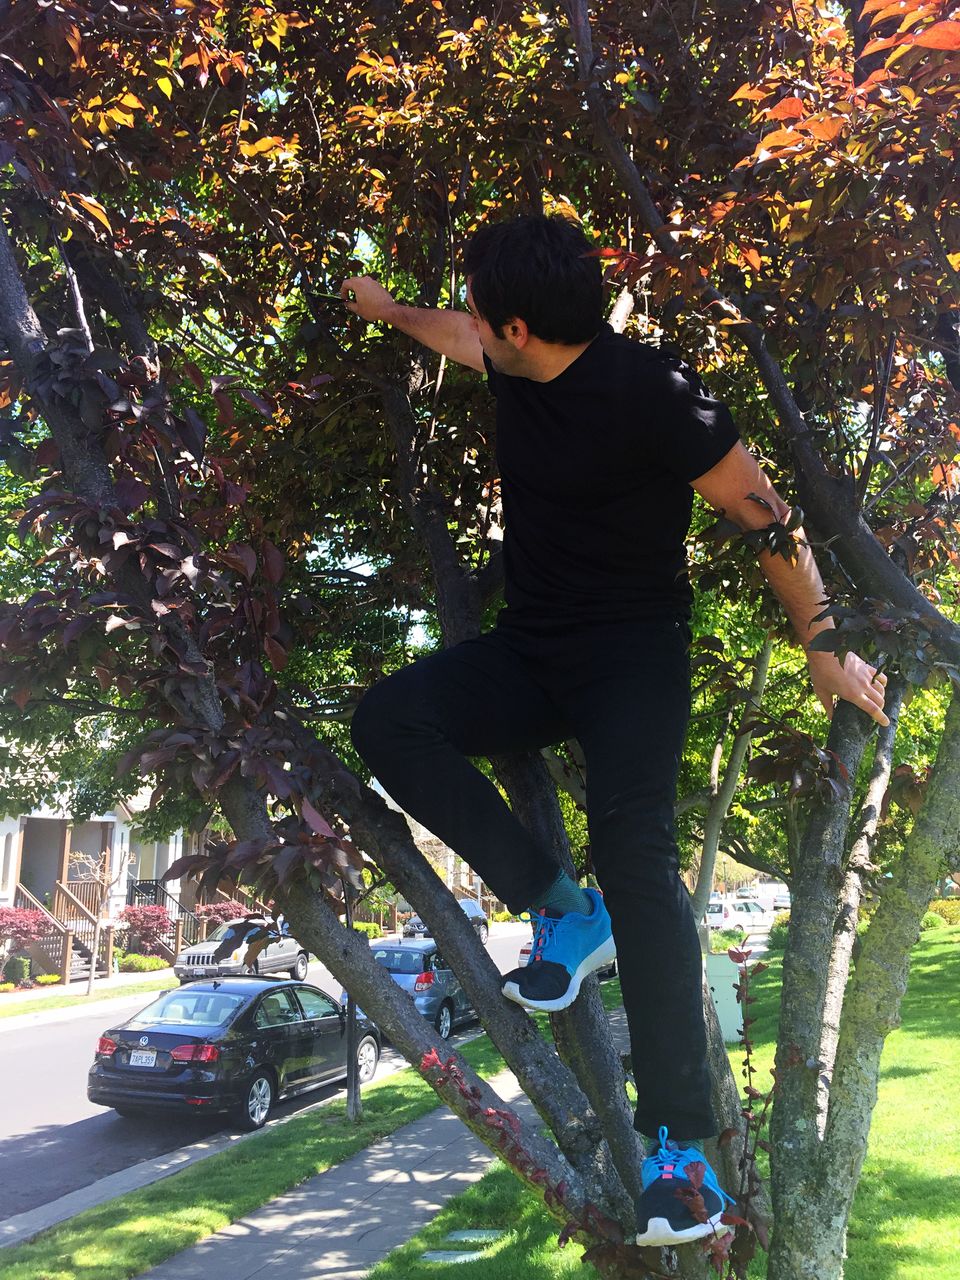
535 269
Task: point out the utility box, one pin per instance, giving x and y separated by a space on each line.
722 978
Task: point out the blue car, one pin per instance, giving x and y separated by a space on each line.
422 971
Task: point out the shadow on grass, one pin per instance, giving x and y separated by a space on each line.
874 1250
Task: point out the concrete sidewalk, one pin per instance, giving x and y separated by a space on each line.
338 1224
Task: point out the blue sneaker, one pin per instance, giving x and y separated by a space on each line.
565 949
679 1203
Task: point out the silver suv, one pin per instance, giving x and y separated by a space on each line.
283 956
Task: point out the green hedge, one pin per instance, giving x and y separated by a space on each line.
722 939
947 908
368 927
17 970
133 963
777 940
933 920
502 917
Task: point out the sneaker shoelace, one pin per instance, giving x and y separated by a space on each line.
544 928
670 1163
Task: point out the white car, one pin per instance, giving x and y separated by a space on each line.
750 914
746 913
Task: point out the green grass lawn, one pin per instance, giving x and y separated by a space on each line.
906 1217
905 1226
14 1008
126 1236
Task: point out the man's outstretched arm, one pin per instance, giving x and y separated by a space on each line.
452 333
798 586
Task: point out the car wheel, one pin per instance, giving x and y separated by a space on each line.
484 932
299 970
444 1021
368 1055
257 1102
611 970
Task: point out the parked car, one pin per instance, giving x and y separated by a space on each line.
283 956
416 928
781 901
750 914
717 915
731 912
233 1045
523 959
422 971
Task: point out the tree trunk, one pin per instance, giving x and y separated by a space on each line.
354 1104
810 1242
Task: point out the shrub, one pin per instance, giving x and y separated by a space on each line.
146 927
220 912
7 986
47 979
933 920
19 926
502 917
17 969
947 909
777 940
368 927
133 963
722 939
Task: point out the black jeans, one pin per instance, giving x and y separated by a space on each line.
623 691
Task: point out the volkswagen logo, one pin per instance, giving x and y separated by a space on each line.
144 1039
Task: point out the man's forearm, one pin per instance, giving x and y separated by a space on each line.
451 333
799 588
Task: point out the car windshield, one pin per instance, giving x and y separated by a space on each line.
400 959
190 1007
216 934
714 907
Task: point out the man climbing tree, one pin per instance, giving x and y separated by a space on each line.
600 443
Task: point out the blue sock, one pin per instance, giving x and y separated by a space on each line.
563 896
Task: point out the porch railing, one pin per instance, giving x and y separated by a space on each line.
72 913
88 892
55 951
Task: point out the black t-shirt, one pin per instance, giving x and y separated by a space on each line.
595 468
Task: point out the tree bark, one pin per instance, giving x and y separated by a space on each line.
858 865
817 881
809 1242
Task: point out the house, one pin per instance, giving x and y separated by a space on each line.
45 865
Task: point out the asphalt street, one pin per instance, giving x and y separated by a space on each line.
58 1141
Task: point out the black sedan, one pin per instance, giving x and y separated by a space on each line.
230 1045
416 928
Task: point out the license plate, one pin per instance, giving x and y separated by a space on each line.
198 973
143 1058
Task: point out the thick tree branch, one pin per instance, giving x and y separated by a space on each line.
720 804
858 866
817 881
